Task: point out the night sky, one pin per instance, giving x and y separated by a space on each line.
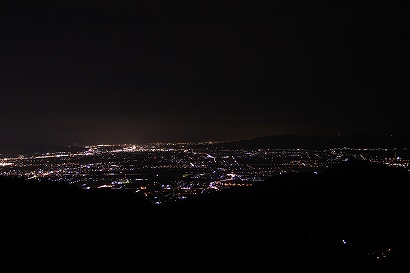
90 72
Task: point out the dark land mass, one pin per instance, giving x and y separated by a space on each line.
340 219
318 142
14 149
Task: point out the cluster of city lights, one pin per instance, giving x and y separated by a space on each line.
165 172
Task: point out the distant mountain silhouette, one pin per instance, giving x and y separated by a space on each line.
334 221
318 142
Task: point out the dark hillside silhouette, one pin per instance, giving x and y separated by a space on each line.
340 219
358 210
318 142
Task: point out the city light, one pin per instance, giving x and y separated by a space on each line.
167 172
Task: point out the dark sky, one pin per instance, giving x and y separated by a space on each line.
91 72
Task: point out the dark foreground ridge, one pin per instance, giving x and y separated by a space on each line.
351 217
